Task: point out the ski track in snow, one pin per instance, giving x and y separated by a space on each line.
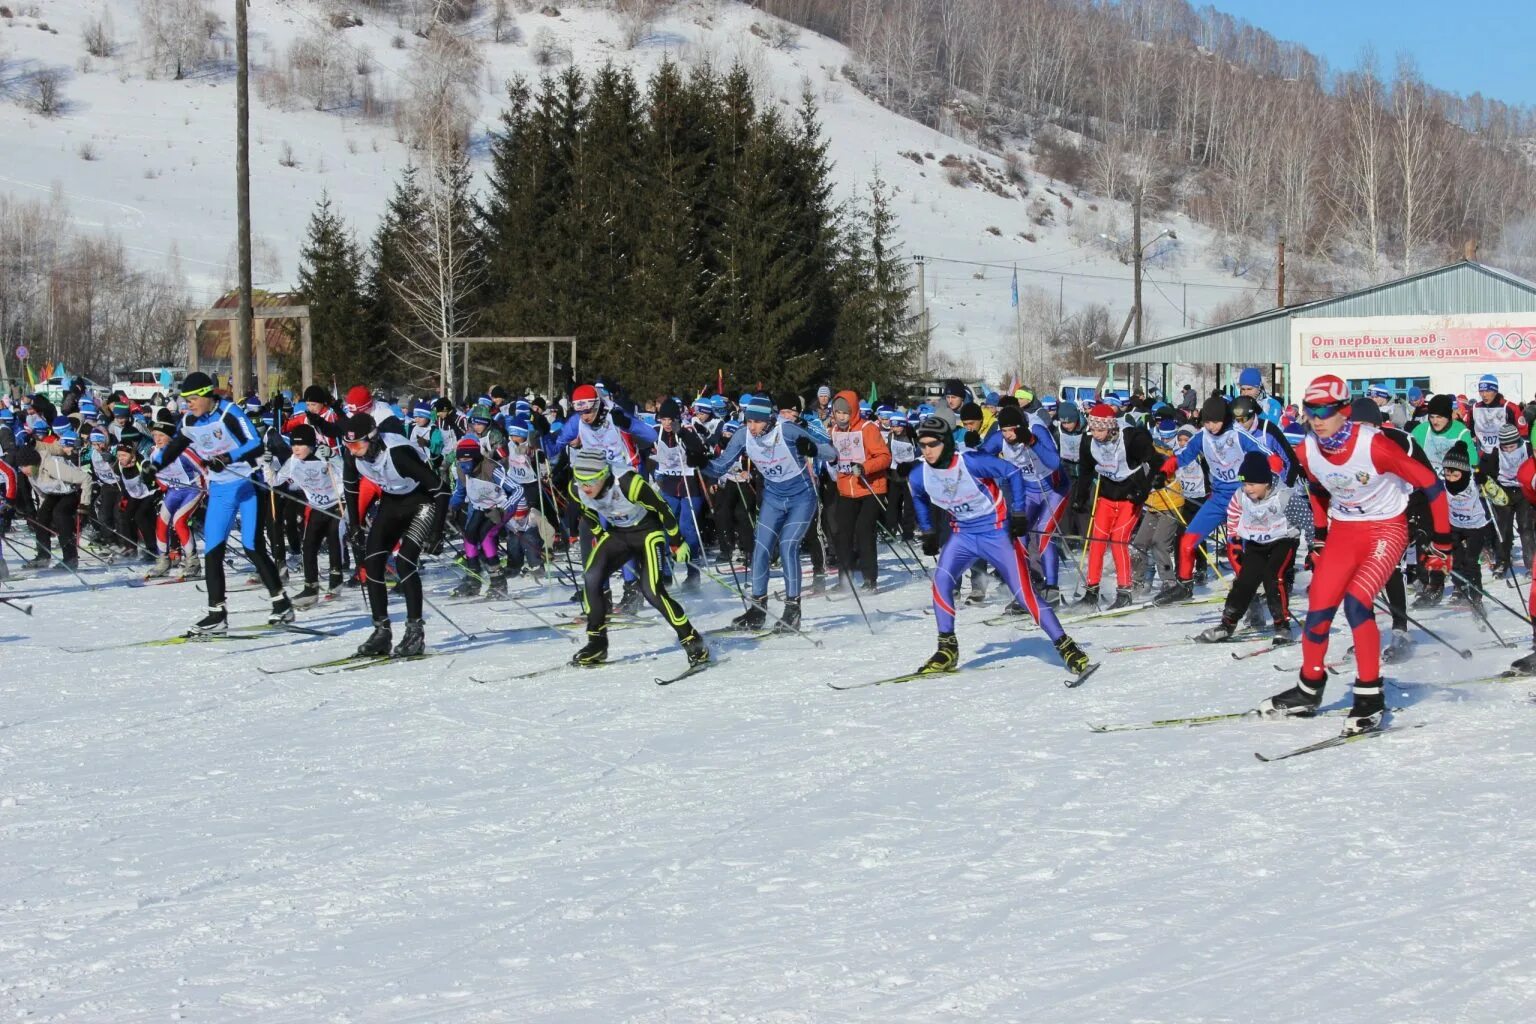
186 838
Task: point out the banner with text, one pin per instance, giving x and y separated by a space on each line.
1448 344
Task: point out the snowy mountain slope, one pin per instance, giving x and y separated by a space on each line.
161 167
186 838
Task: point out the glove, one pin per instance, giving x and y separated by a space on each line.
217 464
682 553
1080 506
1018 524
972 439
930 541
1495 493
1159 480
1439 557
620 418
1170 466
805 447
357 555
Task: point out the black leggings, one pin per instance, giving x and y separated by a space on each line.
320 528
610 551
735 506
136 520
56 515
856 520
1266 564
407 520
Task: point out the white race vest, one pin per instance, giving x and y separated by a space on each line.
1357 489
615 508
850 448
902 452
1509 466
1264 521
179 473
671 459
772 457
1110 458
1487 421
313 477
381 468
1191 480
1224 455
1467 511
957 492
212 439
609 440
1023 456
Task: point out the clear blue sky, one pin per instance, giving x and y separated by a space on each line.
1486 46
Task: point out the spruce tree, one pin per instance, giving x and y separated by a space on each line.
329 279
390 324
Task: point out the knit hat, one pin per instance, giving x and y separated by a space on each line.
1326 390
718 405
196 383
757 407
1250 378
1415 395
1442 405
1101 416
28 457
990 398
701 405
1215 410
1509 434
359 397
98 437
937 428
159 426
1069 413
970 411
1167 429
316 393
669 410
729 427
1187 430
1457 458
467 448
358 427
1294 433
422 410
788 400
303 434
1488 382
588 465
954 387
824 392
1010 416
519 427
480 414
1256 469
1378 391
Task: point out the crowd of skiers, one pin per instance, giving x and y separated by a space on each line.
1014 488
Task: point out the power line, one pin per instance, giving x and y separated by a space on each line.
1068 273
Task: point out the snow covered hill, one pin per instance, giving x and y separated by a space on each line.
186 838
152 158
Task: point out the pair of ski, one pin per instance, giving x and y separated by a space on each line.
1106 613
1195 721
1235 638
1071 683
628 659
238 633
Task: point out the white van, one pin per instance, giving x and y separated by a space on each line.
148 384
1078 390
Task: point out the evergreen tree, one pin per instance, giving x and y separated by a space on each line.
876 337
390 323
330 269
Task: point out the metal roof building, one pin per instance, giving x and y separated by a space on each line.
1465 287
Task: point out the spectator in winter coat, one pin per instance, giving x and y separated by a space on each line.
863 462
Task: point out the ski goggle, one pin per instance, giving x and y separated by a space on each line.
584 404
589 478
194 393
1323 412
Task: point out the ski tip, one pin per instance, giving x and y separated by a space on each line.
1097 728
1261 757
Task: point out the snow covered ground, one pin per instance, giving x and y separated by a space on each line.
161 175
187 838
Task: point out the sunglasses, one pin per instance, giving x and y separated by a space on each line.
1322 412
194 393
930 444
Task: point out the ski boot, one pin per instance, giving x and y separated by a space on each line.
414 643
692 581
215 623
1282 633
1300 700
5 570
789 621
68 564
873 587
693 646
818 583
1258 618
39 561
596 650
945 659
498 584
469 586
1525 666
1457 598
1217 633
1050 594
334 584
282 611
977 596
1014 608
307 598
378 642
1122 599
1072 655
1366 713
162 567
1399 649
1090 597
630 599
191 568
1430 597
1178 590
753 618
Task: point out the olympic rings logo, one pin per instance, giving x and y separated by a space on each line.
1513 342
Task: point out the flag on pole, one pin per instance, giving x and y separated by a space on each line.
720 381
874 396
31 379
1015 287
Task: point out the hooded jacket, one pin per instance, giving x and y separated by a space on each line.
877 454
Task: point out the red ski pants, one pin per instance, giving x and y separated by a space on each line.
1113 523
1352 569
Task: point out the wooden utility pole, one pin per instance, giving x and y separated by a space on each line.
240 348
922 314
1280 275
1136 255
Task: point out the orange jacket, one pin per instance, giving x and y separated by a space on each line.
877 454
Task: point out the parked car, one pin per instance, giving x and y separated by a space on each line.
53 388
147 384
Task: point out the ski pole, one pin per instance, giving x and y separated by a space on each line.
38 547
25 609
890 540
1463 654
1468 583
